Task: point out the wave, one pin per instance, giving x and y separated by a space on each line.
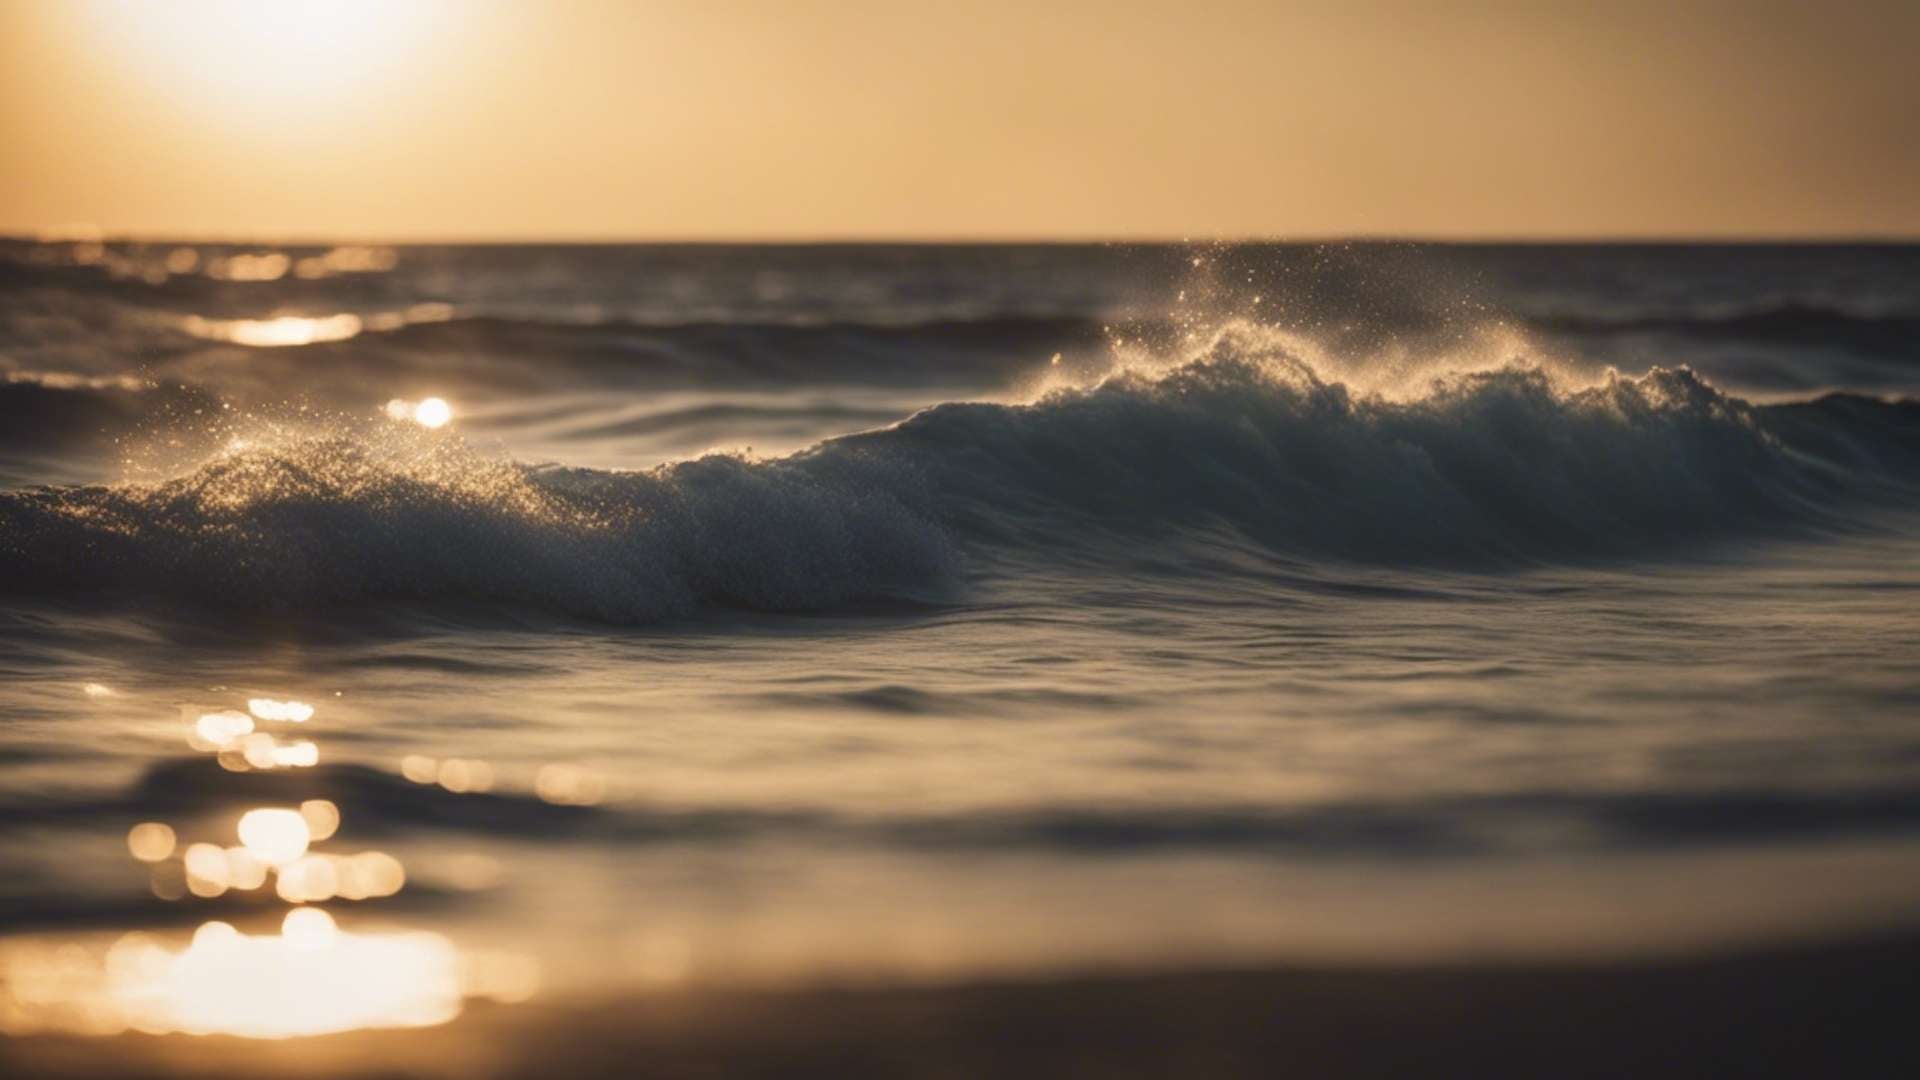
1242 443
1785 347
54 411
721 419
346 362
342 519
1796 323
977 350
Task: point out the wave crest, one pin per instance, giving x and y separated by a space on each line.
335 520
1489 466
1242 441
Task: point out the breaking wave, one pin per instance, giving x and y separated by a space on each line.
1242 441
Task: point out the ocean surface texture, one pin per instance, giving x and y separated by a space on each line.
618 617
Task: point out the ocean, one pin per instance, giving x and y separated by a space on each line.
576 620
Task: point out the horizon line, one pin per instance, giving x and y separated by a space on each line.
80 233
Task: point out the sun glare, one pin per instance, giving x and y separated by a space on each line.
433 412
265 52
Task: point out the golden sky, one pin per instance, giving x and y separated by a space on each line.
981 119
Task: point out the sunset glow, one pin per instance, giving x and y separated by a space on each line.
246 53
677 119
1020 538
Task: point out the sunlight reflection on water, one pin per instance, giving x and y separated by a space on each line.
283 331
280 331
312 977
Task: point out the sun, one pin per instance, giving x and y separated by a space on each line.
230 55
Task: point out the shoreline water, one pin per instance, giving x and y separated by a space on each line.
1840 1007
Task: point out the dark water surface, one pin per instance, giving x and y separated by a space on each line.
763 616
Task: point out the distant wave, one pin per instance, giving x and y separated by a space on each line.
722 417
53 411
1486 470
336 356
725 352
1794 323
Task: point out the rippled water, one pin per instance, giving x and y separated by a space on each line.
1073 607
